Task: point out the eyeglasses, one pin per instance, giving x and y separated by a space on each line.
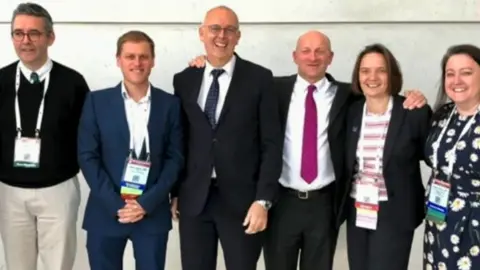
34 35
217 29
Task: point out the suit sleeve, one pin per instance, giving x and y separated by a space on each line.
271 141
173 163
424 124
89 144
176 187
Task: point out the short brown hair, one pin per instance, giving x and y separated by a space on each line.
395 78
135 36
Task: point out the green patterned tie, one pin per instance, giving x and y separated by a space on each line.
34 78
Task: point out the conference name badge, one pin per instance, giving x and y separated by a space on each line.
366 204
437 205
134 179
27 152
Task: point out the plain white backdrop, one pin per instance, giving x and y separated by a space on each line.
417 32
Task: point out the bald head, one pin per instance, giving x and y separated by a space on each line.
314 36
313 55
220 35
221 12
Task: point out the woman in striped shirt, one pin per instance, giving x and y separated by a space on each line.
383 193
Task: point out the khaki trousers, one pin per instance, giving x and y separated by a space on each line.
40 224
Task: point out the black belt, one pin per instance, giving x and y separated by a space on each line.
305 195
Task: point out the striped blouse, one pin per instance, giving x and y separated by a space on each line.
372 140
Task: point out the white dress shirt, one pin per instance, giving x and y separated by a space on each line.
138 114
42 71
292 151
224 82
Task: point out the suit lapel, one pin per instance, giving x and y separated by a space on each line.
341 96
119 113
354 132
285 87
195 84
394 127
156 111
235 88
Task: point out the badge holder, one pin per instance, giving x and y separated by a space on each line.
437 205
367 205
134 177
27 151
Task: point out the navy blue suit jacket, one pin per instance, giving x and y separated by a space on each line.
103 146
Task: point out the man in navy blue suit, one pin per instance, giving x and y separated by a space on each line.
131 153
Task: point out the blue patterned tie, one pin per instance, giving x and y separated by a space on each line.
212 97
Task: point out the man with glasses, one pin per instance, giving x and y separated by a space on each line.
234 151
40 106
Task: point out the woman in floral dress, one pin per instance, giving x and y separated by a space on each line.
454 243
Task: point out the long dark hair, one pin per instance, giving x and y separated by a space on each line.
467 49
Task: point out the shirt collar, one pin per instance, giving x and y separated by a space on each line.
147 97
322 85
42 71
228 67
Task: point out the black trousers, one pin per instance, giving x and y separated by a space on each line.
199 238
301 232
387 247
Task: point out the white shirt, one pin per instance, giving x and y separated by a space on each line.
42 71
292 147
137 117
224 82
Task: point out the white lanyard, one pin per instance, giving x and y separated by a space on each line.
452 155
40 110
132 133
379 153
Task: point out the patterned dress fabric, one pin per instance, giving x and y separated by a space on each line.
455 244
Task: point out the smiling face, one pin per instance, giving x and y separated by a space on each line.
462 79
220 34
313 56
373 75
135 59
31 40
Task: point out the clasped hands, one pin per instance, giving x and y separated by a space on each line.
131 212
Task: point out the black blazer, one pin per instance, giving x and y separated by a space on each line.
403 151
245 148
337 119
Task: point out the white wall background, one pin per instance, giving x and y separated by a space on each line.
418 33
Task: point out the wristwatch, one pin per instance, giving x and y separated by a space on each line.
266 204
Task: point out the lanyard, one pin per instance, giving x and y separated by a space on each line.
451 154
379 151
146 137
40 110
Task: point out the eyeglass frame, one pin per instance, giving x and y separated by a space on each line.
33 33
216 29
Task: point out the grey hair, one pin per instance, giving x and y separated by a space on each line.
33 9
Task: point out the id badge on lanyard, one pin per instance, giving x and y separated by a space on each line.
136 172
367 206
135 178
27 149
440 189
368 192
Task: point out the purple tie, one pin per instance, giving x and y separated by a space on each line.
309 169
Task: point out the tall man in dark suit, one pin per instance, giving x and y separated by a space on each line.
233 151
130 151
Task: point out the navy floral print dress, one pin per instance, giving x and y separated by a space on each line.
455 244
